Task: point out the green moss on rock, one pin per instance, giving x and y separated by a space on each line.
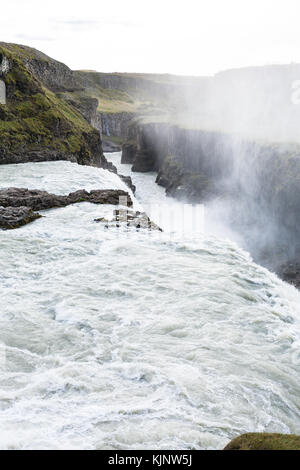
265 441
37 119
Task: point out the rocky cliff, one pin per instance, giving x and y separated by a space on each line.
53 113
113 124
37 123
260 102
54 75
125 97
252 186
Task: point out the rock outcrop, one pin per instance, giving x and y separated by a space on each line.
113 124
254 184
54 75
265 441
15 217
128 181
41 200
37 123
129 151
17 205
109 146
290 272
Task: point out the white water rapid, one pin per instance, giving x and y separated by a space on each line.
116 339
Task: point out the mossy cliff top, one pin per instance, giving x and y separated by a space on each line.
142 94
36 123
265 441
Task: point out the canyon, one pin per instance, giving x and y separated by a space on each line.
159 335
211 140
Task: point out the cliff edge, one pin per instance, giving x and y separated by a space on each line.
36 122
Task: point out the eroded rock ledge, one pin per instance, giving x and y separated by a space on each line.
14 217
41 200
17 205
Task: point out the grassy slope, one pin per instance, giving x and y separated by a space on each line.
109 100
130 99
34 117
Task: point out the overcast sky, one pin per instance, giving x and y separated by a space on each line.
189 37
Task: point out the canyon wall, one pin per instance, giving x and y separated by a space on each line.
112 124
37 123
253 187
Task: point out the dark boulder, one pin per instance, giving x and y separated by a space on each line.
128 153
290 272
14 217
144 162
128 181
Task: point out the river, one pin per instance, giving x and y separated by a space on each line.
124 339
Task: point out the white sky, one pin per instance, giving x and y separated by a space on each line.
190 37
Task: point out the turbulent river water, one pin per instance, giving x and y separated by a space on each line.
124 339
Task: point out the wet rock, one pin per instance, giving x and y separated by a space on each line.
101 219
14 217
290 272
128 181
41 200
109 166
42 155
113 169
183 184
264 441
128 153
110 147
144 162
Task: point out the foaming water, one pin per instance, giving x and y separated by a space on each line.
116 339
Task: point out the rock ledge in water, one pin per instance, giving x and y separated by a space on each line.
17 205
128 181
264 441
41 200
14 217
